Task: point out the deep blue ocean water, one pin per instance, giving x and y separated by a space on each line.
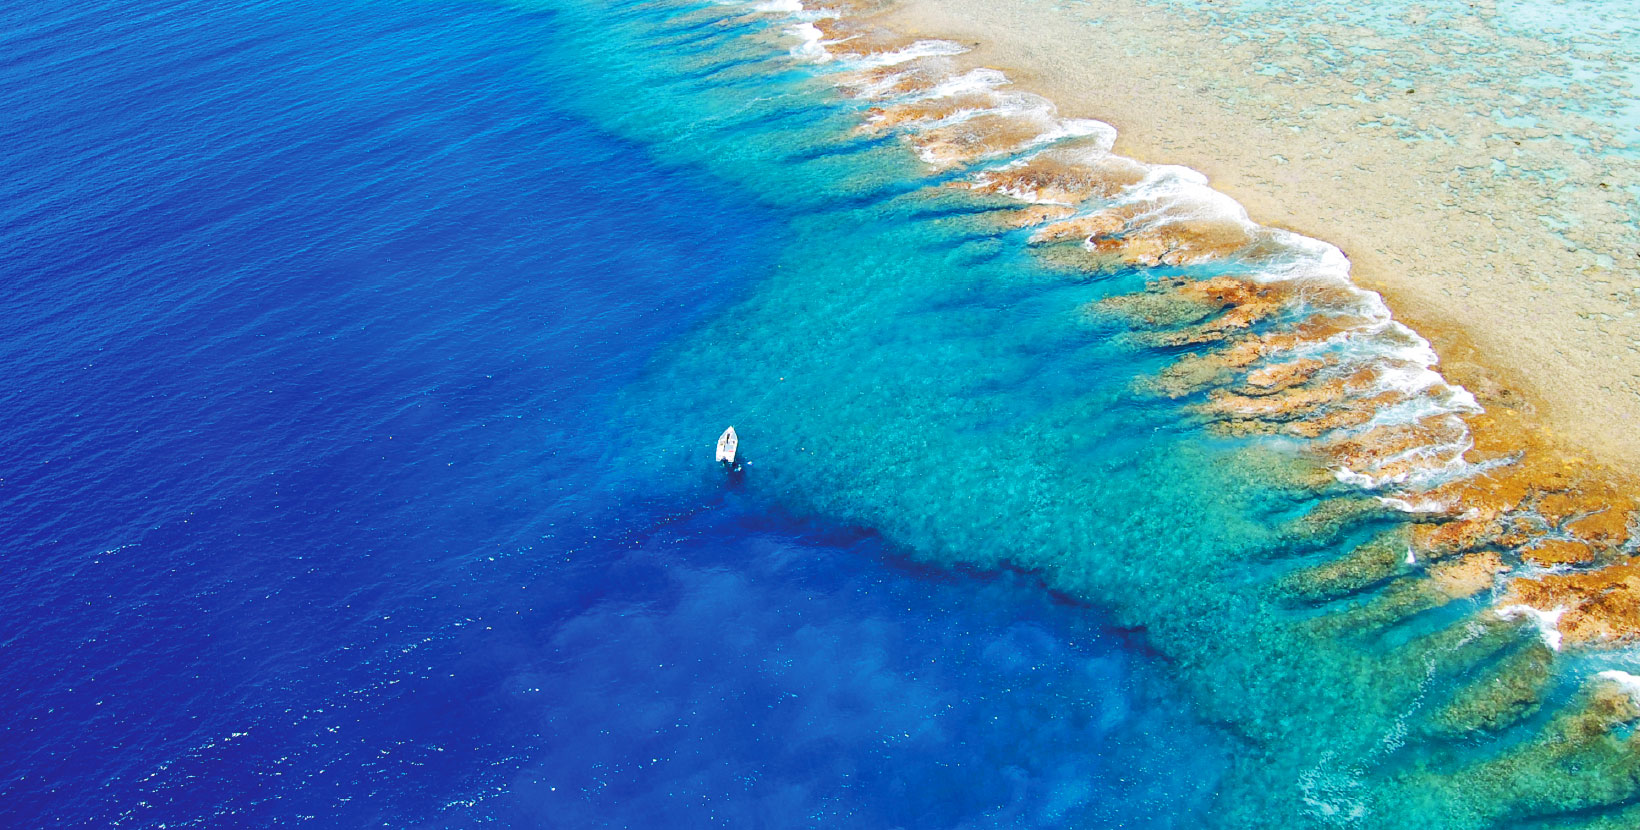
315 316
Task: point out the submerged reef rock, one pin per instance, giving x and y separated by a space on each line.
1066 176
1509 691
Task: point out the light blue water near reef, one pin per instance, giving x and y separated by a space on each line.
361 365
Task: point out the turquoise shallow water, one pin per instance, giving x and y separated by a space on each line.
909 366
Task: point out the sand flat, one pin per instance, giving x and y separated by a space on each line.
1473 163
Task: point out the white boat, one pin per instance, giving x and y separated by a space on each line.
728 442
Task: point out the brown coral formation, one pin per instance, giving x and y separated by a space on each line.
849 35
1496 498
1594 606
1549 509
1467 576
973 122
1510 499
1185 242
1035 215
1063 178
916 76
1140 234
1277 377
1231 306
925 110
1091 226
980 136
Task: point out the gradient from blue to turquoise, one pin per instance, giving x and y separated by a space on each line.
325 331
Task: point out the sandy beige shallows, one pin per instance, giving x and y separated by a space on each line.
1492 216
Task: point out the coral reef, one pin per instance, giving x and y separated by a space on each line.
1277 342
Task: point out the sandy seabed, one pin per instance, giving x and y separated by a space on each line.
1474 162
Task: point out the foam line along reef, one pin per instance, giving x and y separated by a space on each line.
996 342
1476 159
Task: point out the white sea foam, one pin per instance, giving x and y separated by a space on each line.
1180 194
1020 105
1085 153
1068 128
1023 107
810 47
1362 481
919 49
1546 621
1332 790
1629 683
971 82
1415 505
